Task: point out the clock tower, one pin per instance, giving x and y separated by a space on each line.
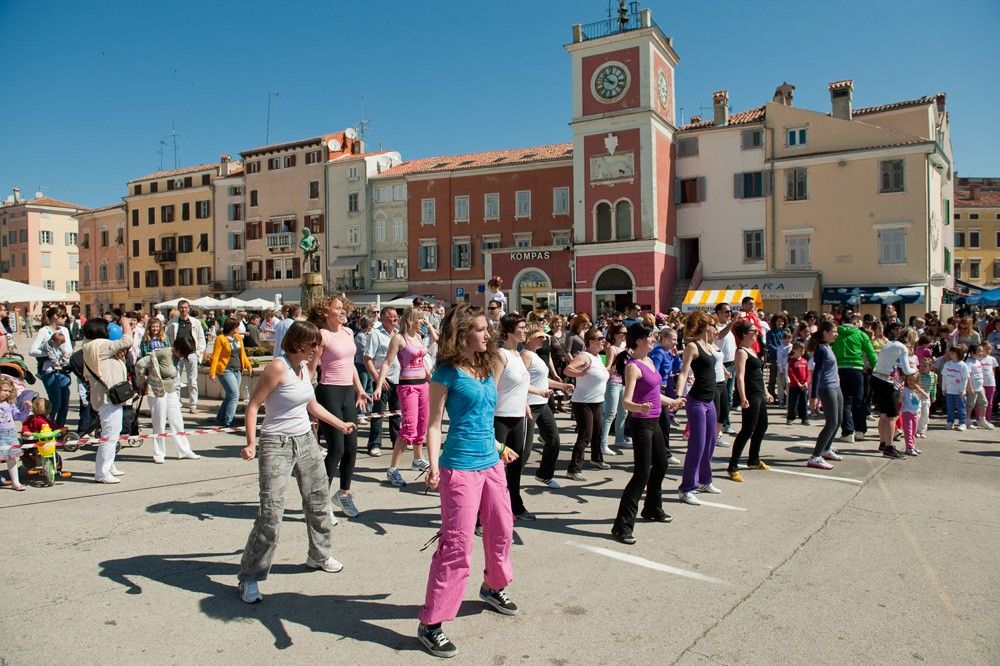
624 219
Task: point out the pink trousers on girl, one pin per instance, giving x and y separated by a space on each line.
463 495
909 428
414 402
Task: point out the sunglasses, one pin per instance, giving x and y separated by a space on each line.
493 307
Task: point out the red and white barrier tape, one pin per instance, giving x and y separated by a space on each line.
199 431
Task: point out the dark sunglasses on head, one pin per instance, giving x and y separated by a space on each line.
493 307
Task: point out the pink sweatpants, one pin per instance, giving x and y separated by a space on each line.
415 403
909 428
990 391
463 495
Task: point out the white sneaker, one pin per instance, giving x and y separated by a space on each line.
328 565
819 463
608 451
983 423
671 460
551 483
249 592
832 455
689 498
333 518
960 427
109 480
710 489
973 426
420 465
847 439
721 442
346 504
117 472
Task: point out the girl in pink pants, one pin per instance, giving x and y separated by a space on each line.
469 471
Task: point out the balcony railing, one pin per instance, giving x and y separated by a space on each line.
279 240
165 256
228 286
611 26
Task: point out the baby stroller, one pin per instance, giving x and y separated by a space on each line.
90 425
12 365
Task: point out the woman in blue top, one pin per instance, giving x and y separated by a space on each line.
825 390
469 471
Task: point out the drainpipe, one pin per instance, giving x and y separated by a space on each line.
927 217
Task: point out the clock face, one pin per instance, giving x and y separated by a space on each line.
610 81
663 89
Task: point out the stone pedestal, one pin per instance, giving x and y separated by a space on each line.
312 290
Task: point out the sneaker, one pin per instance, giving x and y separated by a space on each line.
479 531
193 409
892 452
789 422
721 442
346 504
117 472
672 460
627 444
913 451
709 488
832 455
498 599
761 465
898 436
109 480
525 515
972 426
608 451
656 516
551 483
921 435
983 423
420 465
375 451
960 427
950 426
333 518
859 436
249 592
847 439
735 476
621 536
435 641
328 565
689 498
806 422
576 476
819 463
395 478
882 446
599 464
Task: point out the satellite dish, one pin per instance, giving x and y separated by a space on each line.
351 133
333 145
9 199
385 162
39 195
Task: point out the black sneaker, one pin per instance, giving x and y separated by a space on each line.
479 531
881 446
498 599
435 641
599 464
657 516
894 453
525 515
806 422
624 537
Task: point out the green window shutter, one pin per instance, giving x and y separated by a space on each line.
737 185
947 261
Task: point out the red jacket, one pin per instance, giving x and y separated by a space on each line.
798 372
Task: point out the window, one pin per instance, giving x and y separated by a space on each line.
151 246
314 156
974 273
70 238
398 230
462 208
167 213
135 247
46 237
255 270
202 209
168 243
399 192
428 255
959 239
273 163
253 167
185 277
185 244
22 235
49 284
135 217
489 243
314 189
235 190
491 206
687 147
72 285
560 201
461 253
996 268
253 198
74 260
561 238
997 239
428 211
947 211
749 185
379 228
254 230
205 272
382 194
236 240
135 279
120 271
379 269
352 202
104 237
797 250
689 190
86 274
46 260
522 204
958 269
623 220
137 189
892 246
891 176
154 186
185 211
151 215
796 185
974 237
169 277
797 136
203 243
289 161
152 279
314 223
753 245
750 139
235 212
188 181
354 235
973 216
401 271
120 236
522 240
352 173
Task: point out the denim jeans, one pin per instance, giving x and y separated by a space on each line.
956 408
283 457
57 388
614 412
227 410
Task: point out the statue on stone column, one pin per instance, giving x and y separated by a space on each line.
312 283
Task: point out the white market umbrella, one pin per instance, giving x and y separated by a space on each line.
232 303
168 304
259 304
18 292
205 302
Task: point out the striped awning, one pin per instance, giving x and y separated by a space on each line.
704 299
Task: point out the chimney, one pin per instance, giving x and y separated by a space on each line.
720 104
225 162
16 191
694 119
841 96
973 192
783 93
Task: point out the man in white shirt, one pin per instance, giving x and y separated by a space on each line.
184 326
375 352
280 328
727 345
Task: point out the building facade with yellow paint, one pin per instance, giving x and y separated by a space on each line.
977 231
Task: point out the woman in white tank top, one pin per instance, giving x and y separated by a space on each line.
287 445
591 384
541 414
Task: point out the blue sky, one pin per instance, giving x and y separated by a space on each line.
91 88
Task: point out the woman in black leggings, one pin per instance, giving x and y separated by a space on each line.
753 399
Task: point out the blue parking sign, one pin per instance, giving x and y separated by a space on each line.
459 292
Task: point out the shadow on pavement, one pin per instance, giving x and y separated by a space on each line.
211 509
352 617
985 454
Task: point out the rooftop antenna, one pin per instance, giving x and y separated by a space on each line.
170 139
364 124
267 132
159 151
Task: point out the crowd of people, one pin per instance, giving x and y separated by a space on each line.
500 378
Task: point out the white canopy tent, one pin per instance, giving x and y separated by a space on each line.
205 302
232 303
18 292
166 305
259 304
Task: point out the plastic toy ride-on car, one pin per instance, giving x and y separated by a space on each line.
39 457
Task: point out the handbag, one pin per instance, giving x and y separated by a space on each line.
118 394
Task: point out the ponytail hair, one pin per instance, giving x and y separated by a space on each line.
635 332
816 339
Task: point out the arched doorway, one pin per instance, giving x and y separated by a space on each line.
533 290
614 290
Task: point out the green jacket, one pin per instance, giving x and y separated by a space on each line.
851 348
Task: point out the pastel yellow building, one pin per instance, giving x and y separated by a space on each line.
977 231
170 235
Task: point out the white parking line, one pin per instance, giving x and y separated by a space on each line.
649 564
842 479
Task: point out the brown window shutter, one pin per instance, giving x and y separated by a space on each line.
318 224
269 269
296 267
250 275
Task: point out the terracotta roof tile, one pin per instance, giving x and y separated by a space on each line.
104 208
927 99
741 118
495 158
178 172
288 145
48 201
837 85
907 142
985 197
361 156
